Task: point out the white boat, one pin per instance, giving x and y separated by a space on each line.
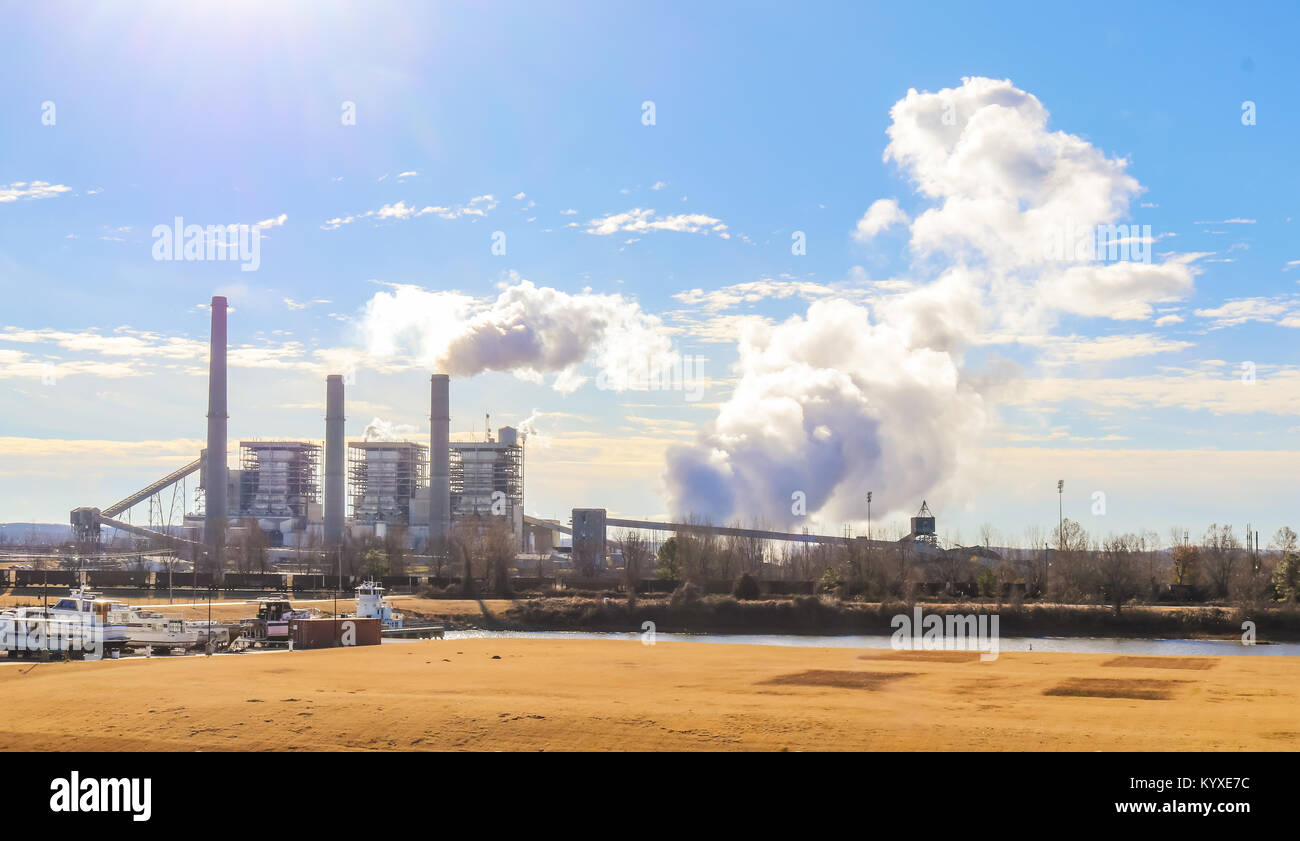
84 622
371 604
78 625
147 628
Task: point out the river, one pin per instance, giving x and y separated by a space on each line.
1077 645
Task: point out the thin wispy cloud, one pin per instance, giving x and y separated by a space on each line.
645 221
476 207
26 190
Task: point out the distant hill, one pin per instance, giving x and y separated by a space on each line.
22 532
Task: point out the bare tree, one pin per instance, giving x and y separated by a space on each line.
750 551
1222 554
1153 562
251 547
498 548
395 543
1072 566
1117 569
1285 542
697 551
636 558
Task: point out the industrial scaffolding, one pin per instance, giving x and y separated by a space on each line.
278 478
385 476
479 471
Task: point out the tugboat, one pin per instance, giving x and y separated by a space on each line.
371 604
271 625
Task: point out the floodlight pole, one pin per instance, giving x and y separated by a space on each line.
1060 514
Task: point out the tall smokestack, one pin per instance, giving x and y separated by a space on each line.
334 484
440 484
214 525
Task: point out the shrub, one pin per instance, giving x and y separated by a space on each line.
686 595
747 588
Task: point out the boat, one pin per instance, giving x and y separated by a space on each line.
271 625
125 627
80 625
371 604
156 632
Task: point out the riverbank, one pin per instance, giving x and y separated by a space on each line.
809 615
529 694
814 615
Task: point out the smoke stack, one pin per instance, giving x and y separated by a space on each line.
334 445
214 525
440 485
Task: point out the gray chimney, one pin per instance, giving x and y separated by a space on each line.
214 524
440 483
335 486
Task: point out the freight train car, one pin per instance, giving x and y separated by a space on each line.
53 577
101 578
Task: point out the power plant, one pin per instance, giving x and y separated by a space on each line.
370 486
378 489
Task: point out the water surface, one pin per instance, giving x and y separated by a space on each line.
1077 645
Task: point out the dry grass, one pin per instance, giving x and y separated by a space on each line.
836 678
1194 663
925 656
613 695
1136 689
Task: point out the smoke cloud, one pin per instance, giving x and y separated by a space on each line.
529 330
381 430
851 398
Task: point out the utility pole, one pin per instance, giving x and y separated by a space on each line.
868 516
1060 514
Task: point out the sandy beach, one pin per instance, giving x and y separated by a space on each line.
534 694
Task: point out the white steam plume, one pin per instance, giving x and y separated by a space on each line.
381 430
528 330
849 399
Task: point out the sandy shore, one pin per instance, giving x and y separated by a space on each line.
615 695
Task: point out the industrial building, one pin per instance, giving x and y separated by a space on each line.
426 490
486 479
386 477
279 479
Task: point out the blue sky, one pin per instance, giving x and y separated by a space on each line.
769 120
